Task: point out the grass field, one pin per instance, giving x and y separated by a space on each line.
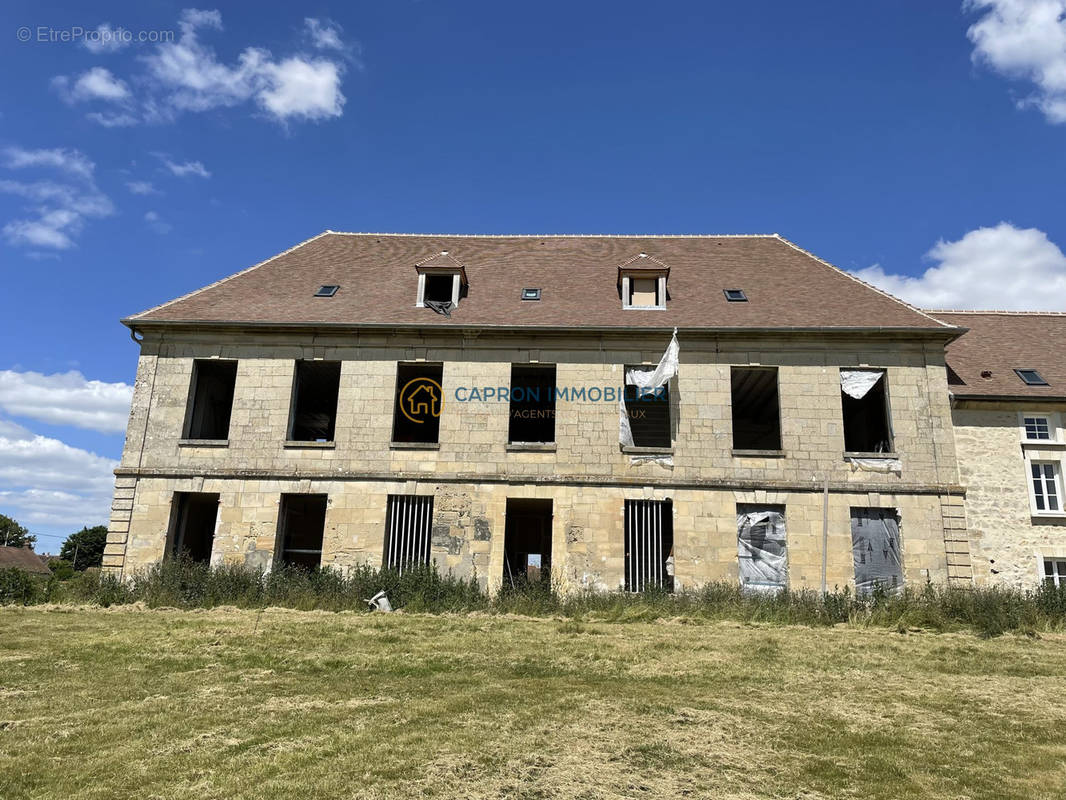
132 703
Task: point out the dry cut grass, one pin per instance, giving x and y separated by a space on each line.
130 703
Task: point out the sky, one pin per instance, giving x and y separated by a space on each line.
150 148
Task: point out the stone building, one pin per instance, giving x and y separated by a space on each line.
1007 377
512 406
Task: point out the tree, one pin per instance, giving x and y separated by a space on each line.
85 548
14 535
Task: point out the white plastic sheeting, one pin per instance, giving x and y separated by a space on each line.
647 378
875 546
884 465
857 382
761 550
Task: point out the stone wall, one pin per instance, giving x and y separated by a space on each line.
587 527
1008 542
473 472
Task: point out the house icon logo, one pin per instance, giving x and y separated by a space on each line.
421 399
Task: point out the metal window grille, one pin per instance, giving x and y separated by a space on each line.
649 545
408 529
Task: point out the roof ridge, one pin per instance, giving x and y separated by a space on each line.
1004 312
228 277
565 235
861 282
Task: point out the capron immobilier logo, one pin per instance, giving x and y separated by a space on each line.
421 399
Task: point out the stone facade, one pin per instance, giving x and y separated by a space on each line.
1010 538
472 472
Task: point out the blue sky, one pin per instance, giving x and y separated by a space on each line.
891 138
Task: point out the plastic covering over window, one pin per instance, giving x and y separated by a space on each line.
875 545
857 382
761 549
647 380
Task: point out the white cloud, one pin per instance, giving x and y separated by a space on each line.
48 482
196 168
307 89
71 161
187 76
66 399
1025 39
325 34
157 223
141 187
999 268
59 210
105 39
112 119
94 84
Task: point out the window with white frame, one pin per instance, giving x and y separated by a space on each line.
1055 571
1047 486
644 289
439 286
1037 427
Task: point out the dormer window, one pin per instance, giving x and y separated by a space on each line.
441 283
440 288
642 283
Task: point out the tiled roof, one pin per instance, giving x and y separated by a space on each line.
1000 342
786 286
22 558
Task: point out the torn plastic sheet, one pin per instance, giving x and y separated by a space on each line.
761 551
443 307
885 465
857 382
647 378
875 546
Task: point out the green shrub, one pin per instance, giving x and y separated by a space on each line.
181 583
18 587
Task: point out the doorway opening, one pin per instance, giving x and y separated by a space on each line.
527 544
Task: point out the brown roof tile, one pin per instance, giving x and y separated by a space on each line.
786 286
1000 342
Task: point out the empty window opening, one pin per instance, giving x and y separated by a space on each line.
1055 571
867 428
419 401
527 543
327 291
439 288
876 550
756 415
762 548
735 295
532 410
408 531
314 402
1031 377
649 545
211 396
1037 428
301 523
192 526
648 410
644 293
1046 485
